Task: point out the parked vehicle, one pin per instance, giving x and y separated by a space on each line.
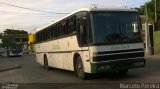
15 50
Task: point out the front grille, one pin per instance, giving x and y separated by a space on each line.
118 55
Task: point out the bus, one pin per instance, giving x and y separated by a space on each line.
91 41
14 49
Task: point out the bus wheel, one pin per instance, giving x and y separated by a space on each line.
123 71
79 69
46 63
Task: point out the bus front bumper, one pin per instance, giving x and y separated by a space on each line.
117 65
15 54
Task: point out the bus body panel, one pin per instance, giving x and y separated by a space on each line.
60 53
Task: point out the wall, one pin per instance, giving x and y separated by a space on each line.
157 42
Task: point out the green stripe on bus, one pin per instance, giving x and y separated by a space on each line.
93 68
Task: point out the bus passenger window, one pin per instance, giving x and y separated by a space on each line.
71 25
84 31
82 28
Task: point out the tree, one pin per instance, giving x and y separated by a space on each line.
151 10
0 35
12 31
6 37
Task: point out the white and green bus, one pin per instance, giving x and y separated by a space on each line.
91 41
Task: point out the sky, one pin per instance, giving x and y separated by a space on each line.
29 15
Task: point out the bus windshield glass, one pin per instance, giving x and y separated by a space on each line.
16 47
115 27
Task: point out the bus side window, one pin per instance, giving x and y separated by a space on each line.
46 34
82 28
54 31
58 30
49 32
85 30
71 25
43 35
78 31
64 27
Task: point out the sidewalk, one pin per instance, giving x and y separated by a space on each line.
152 57
7 65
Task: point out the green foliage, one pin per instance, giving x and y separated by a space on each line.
11 32
150 10
0 35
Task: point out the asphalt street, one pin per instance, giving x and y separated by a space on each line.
31 72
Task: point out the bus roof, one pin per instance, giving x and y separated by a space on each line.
90 9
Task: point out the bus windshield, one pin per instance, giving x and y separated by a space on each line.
16 47
115 27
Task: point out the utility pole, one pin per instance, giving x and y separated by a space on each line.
148 50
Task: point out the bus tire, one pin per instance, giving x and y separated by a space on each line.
122 72
46 63
79 69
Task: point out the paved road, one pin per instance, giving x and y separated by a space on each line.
31 72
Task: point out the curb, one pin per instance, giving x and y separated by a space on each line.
153 57
7 69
